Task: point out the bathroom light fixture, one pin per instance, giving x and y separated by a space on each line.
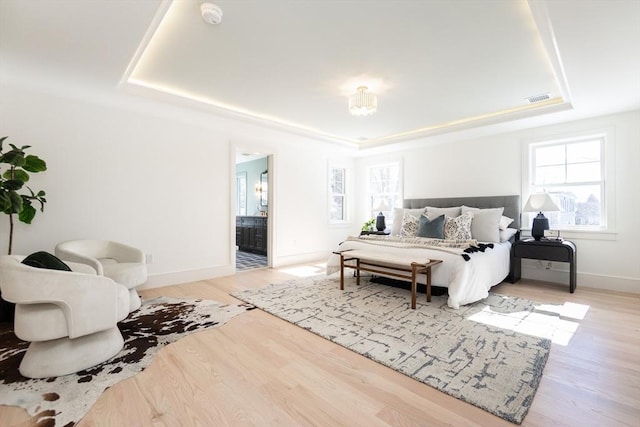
363 102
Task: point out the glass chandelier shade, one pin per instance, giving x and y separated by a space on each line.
363 102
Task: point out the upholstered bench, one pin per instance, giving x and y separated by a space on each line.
383 264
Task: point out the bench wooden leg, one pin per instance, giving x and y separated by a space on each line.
341 272
428 284
358 272
414 285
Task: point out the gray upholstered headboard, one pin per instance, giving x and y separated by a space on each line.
511 204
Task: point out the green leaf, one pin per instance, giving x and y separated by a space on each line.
12 184
16 202
27 213
13 157
17 174
5 201
2 141
34 164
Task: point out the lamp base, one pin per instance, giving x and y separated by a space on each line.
540 223
380 225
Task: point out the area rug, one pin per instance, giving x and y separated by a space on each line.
63 401
491 367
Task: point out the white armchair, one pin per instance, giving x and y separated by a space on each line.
69 317
124 264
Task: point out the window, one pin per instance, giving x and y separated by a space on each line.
385 189
572 171
337 195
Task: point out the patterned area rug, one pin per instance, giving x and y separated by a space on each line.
63 401
493 368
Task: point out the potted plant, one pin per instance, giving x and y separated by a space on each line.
368 226
14 200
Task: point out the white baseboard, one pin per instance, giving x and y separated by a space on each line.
285 261
586 280
186 276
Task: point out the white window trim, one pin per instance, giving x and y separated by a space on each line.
347 194
390 162
607 232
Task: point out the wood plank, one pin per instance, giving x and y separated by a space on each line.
261 370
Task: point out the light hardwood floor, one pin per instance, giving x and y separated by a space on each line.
262 371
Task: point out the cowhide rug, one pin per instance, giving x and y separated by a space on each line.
63 401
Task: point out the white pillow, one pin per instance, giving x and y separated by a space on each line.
505 221
458 228
433 212
398 215
485 226
507 234
409 225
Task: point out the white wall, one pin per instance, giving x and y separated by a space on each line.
163 178
159 178
492 165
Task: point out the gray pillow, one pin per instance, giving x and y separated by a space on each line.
431 228
485 224
433 212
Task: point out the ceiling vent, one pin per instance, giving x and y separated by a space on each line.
538 98
211 13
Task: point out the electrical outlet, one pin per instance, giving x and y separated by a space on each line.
148 258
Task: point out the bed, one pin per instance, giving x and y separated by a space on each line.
468 270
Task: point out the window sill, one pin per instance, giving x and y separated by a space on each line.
572 234
340 224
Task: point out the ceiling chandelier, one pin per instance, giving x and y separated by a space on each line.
363 102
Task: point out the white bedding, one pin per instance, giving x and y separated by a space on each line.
467 281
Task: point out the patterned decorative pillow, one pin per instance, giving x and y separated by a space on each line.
409 226
458 228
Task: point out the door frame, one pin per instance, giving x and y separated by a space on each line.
271 180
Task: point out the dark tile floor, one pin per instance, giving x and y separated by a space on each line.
249 261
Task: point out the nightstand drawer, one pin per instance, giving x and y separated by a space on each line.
548 253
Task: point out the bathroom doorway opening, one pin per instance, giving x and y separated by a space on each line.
252 210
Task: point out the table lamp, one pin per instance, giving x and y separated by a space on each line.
537 203
382 205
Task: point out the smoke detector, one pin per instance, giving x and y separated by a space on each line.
211 13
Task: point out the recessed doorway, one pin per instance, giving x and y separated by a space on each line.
252 211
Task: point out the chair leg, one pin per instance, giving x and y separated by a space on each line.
64 356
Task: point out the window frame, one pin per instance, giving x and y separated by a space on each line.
373 196
604 231
345 193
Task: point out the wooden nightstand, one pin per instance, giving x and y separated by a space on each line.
549 250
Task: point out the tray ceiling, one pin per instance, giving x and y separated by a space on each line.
435 65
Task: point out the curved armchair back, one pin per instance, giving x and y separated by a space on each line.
90 252
89 303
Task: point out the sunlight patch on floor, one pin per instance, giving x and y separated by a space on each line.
547 321
305 270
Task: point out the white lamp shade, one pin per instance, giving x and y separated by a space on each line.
540 202
381 205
